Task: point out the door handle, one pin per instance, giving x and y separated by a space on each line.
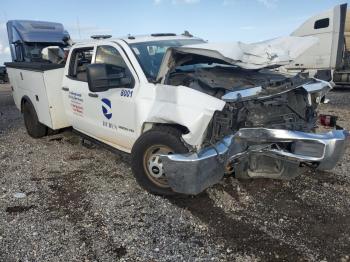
65 88
93 95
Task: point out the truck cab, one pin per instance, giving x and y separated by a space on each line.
117 114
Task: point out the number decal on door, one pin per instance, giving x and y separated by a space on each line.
126 93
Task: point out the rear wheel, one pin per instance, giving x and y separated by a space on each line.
34 128
146 164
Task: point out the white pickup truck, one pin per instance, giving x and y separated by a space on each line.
187 111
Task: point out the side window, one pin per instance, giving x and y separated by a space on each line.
110 55
80 59
322 23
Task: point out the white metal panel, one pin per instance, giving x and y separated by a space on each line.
270 53
44 91
177 105
31 84
53 84
324 54
13 74
34 84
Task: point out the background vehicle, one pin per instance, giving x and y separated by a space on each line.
3 75
329 59
28 38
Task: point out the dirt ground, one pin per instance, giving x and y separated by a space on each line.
62 201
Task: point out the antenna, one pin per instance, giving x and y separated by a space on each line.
78 25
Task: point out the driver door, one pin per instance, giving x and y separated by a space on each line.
113 109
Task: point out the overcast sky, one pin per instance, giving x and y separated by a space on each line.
213 20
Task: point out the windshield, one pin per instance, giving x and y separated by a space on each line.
150 54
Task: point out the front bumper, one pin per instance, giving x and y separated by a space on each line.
255 152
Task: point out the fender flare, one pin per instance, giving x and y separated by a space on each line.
149 125
26 99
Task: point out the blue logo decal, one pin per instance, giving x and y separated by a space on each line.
107 108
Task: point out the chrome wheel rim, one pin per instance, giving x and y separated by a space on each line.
153 165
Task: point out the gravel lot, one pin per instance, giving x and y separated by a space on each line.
61 201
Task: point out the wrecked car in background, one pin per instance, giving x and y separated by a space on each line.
3 75
187 111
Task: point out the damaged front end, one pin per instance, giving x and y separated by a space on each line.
255 153
267 127
262 146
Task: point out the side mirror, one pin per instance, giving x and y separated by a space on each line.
17 49
13 52
102 77
65 38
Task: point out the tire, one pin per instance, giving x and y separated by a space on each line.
34 128
164 137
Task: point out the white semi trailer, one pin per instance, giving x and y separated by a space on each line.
329 59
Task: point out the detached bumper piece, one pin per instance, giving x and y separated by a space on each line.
253 153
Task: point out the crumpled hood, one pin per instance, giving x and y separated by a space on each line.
268 54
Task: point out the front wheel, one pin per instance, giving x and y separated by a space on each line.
146 163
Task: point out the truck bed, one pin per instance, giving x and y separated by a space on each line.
41 83
34 66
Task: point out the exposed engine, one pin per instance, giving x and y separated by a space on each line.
266 128
288 111
279 105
